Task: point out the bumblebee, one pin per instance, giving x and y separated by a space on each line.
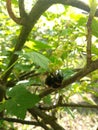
54 80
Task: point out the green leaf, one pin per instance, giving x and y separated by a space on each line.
95 27
93 6
82 21
95 50
67 72
47 99
15 109
21 100
88 100
39 59
2 106
23 97
69 112
14 2
38 45
23 67
41 45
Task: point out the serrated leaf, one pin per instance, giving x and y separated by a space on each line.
23 97
39 59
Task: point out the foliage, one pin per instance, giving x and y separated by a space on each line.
57 43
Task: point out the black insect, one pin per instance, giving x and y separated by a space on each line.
54 80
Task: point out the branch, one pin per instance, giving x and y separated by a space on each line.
22 9
89 31
24 76
75 3
68 105
41 124
89 40
19 45
40 7
34 15
10 12
83 72
46 118
20 121
28 75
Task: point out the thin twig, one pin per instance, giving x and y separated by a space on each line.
93 7
14 120
20 121
68 105
89 39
